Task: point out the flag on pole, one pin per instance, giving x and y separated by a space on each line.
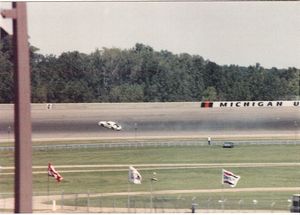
229 178
134 176
53 173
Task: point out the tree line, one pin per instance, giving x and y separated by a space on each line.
141 74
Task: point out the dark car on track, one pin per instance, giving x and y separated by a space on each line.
228 145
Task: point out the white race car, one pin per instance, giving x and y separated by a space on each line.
110 125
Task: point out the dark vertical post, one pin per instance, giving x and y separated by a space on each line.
23 150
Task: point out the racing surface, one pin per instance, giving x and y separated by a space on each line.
154 120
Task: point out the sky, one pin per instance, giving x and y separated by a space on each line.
242 33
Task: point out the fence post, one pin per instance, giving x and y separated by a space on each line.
163 206
2 197
254 204
88 201
208 203
4 203
134 205
221 201
194 207
114 206
240 202
100 204
62 201
289 203
76 201
53 205
272 205
194 204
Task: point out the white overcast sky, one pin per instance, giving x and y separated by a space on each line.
242 33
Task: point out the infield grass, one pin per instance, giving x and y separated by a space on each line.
183 178
114 179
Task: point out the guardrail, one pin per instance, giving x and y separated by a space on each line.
136 144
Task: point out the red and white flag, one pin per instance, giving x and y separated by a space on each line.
134 176
230 178
52 172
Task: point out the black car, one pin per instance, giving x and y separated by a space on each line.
228 145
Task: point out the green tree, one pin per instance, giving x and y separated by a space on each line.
6 71
127 93
143 74
209 94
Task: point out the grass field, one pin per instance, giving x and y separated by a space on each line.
171 176
148 155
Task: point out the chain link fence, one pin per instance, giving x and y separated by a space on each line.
60 202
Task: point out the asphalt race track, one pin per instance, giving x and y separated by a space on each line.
154 120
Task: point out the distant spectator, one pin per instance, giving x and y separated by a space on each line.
8 129
209 141
49 106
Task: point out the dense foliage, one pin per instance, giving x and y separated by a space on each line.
141 74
